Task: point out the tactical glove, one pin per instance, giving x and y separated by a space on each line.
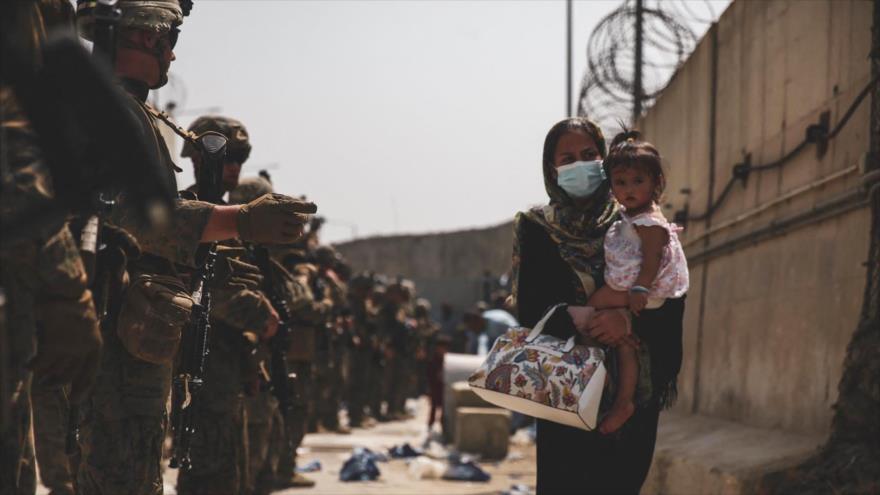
273 219
231 272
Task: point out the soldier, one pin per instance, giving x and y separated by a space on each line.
125 420
310 312
240 316
394 317
48 326
378 344
274 435
359 289
330 359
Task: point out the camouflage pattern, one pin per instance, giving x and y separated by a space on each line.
219 447
179 239
241 309
17 464
125 419
307 313
151 15
359 377
339 337
41 276
234 130
121 452
50 415
262 419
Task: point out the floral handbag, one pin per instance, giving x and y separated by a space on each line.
543 376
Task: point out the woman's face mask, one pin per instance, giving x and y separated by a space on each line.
580 179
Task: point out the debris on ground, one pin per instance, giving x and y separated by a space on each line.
524 436
464 469
403 451
518 489
361 466
310 467
425 468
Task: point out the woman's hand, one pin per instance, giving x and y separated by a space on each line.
612 327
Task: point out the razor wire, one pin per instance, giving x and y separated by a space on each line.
670 32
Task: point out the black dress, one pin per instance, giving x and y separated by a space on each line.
572 460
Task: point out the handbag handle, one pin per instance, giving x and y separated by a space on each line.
539 327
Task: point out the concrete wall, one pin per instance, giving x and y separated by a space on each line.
767 325
446 267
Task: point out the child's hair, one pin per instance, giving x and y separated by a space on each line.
628 150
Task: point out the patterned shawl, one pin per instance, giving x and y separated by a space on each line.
578 229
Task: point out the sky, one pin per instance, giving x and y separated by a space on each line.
393 116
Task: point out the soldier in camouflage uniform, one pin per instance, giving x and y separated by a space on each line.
359 289
310 312
273 438
240 316
125 420
378 356
332 345
51 415
395 317
48 326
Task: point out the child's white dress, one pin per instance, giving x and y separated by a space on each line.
623 258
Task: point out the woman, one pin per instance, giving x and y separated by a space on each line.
558 258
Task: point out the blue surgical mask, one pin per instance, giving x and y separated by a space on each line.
580 179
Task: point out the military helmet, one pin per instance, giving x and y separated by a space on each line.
362 281
248 190
326 255
150 15
239 145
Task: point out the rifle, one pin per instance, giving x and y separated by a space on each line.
280 378
190 375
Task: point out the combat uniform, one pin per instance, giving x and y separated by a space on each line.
332 346
274 435
308 315
220 446
361 352
44 299
125 420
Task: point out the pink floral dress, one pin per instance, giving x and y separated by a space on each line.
623 258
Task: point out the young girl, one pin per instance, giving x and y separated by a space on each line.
644 260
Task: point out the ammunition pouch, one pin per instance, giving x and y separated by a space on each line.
154 312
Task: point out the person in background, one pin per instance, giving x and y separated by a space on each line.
435 377
492 323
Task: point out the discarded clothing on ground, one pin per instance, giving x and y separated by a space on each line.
465 470
361 466
310 467
403 451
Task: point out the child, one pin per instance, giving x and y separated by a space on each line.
644 260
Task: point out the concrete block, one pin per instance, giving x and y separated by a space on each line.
464 396
482 430
456 368
460 395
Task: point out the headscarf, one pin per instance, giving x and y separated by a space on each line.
577 228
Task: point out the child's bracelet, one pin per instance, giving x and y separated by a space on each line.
639 289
